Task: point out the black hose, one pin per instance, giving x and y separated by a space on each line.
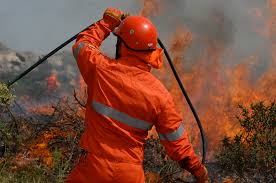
187 99
40 61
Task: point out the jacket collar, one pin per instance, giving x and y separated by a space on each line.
144 60
135 62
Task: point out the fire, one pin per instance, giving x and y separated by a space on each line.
152 177
52 82
272 4
216 92
180 41
40 147
268 27
150 7
227 180
43 109
216 89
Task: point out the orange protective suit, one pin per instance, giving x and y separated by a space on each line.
124 101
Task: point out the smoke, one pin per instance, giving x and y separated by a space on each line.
181 40
45 24
240 29
150 7
222 49
227 22
224 57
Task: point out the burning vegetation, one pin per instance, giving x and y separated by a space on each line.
217 77
42 144
252 150
42 150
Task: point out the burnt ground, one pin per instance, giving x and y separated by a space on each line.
159 168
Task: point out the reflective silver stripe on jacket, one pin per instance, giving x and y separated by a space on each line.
172 136
119 116
77 50
80 46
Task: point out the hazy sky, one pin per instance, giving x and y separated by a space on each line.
40 25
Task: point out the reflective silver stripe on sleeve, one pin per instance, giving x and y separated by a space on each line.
77 50
172 136
119 116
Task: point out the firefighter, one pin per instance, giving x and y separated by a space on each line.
124 102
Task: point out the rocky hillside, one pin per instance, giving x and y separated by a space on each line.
12 61
58 75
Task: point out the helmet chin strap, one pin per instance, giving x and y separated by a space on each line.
118 55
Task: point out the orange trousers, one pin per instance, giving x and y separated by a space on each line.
92 169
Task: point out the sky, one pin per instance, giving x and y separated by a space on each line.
41 25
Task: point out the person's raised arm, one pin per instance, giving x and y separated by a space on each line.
86 49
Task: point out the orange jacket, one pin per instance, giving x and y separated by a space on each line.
124 101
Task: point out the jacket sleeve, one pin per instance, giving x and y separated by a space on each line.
86 49
173 136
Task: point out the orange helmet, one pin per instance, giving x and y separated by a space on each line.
137 33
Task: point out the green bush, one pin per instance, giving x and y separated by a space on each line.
5 94
253 149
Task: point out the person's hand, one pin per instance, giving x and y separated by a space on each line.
113 16
201 174
199 171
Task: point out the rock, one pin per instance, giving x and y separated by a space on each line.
10 61
21 57
13 61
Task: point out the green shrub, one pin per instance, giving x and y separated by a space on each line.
254 147
5 94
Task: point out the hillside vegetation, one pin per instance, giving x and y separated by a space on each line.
43 146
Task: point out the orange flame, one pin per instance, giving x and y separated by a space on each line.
47 110
272 5
52 82
40 149
216 89
150 7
